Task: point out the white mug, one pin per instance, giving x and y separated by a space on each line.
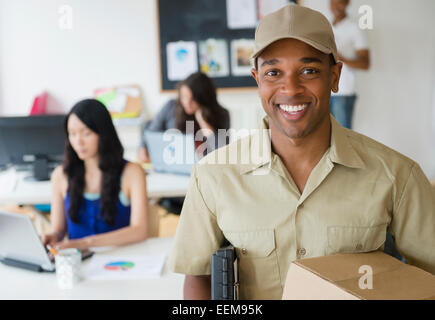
68 263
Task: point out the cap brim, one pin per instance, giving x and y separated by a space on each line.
314 44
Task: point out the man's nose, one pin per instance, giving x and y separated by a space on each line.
291 85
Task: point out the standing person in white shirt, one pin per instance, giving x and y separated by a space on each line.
353 51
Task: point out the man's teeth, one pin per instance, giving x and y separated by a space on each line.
289 108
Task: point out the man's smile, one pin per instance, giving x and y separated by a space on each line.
293 112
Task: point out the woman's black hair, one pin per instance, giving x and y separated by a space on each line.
110 154
204 93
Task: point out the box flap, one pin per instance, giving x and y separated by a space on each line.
391 279
341 267
405 283
302 284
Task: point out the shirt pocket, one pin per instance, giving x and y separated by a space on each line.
259 274
349 239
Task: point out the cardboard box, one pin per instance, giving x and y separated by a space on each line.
367 276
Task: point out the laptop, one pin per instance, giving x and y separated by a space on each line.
171 152
20 245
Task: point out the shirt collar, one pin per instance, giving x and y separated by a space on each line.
260 148
340 151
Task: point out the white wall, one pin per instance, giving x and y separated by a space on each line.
114 42
109 44
395 96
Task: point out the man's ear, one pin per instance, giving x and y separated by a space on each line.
254 73
335 76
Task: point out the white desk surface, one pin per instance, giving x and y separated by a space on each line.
15 190
22 284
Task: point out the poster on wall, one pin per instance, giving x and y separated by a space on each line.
121 101
213 57
241 14
182 59
197 21
241 51
268 6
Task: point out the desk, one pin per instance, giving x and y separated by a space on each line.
22 284
14 189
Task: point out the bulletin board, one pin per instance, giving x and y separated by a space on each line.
212 36
121 101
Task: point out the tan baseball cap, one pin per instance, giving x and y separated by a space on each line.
296 22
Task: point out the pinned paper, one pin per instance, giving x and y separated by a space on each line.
268 6
214 57
130 91
122 102
241 51
113 100
106 96
181 59
241 14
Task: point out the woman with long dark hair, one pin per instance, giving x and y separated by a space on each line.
98 198
197 102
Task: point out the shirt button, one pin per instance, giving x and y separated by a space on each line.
359 246
302 251
244 251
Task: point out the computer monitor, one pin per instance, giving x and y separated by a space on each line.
173 155
33 142
3 157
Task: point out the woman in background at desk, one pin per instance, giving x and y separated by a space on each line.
197 102
99 198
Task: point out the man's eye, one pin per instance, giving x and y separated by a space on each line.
309 71
272 73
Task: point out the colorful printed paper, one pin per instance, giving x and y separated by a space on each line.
241 51
213 55
103 267
182 59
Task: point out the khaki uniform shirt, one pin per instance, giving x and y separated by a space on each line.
358 191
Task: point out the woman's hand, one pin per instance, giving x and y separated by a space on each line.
82 244
198 116
50 238
202 123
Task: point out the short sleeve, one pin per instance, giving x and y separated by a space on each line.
413 223
198 235
361 42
